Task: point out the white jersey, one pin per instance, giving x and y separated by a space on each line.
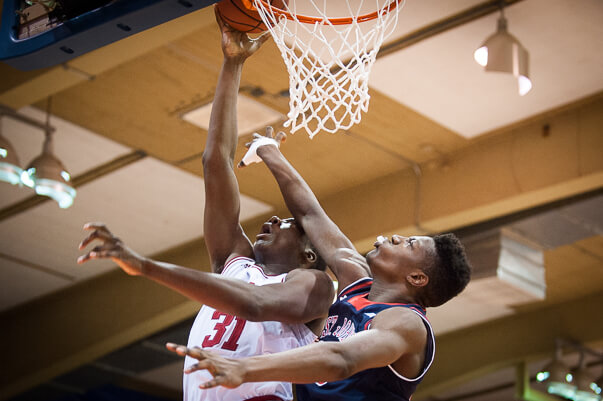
233 337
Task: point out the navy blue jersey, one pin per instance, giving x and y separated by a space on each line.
350 314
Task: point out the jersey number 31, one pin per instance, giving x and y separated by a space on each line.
223 321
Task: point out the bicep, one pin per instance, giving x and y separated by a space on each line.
393 334
304 296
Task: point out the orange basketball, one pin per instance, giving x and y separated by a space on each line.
243 16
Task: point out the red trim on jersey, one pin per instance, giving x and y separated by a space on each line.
233 260
353 287
265 398
251 264
360 301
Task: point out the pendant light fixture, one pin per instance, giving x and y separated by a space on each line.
47 175
9 163
502 52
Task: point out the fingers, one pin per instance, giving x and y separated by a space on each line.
263 37
95 225
215 382
269 131
218 17
96 234
182 350
98 252
100 232
281 137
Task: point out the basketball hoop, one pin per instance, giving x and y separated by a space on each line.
329 48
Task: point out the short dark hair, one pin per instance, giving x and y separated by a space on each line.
450 272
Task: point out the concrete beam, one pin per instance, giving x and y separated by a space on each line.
525 167
469 353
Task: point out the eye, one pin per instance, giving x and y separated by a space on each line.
411 241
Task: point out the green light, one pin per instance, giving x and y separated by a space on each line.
569 377
60 192
3 152
562 389
585 396
27 177
10 173
65 175
542 376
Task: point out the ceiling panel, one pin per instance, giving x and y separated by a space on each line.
439 78
478 303
154 206
21 283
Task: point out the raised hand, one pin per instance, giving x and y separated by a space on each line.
238 45
258 140
110 247
226 372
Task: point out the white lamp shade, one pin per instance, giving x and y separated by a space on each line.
9 163
502 52
48 177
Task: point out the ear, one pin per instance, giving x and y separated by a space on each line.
418 278
310 255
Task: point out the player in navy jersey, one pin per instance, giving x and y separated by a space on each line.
376 343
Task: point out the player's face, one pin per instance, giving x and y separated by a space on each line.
282 236
401 253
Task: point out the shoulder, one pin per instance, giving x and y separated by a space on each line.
315 282
404 322
350 256
349 266
309 276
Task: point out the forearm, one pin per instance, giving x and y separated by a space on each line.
298 196
225 294
222 137
323 361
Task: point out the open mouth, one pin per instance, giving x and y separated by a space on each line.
380 241
265 231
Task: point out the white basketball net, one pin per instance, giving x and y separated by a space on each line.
329 65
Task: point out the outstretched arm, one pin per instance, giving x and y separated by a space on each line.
337 250
394 334
303 297
223 233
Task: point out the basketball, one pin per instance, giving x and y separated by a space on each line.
243 16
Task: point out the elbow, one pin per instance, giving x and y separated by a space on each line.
252 312
262 310
215 158
341 364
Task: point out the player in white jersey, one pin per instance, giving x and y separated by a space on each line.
235 337
278 280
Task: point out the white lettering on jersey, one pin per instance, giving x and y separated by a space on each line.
331 320
345 330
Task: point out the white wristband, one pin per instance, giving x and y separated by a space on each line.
251 156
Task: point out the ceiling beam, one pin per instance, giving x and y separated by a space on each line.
469 353
31 87
463 17
494 176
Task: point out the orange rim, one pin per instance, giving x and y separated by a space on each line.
335 21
